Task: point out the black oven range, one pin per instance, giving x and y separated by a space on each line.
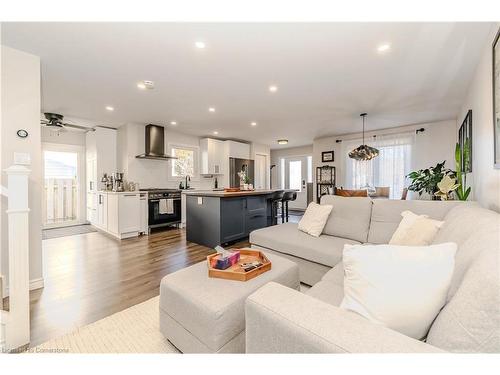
164 207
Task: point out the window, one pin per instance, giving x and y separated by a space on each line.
310 169
282 173
186 163
389 168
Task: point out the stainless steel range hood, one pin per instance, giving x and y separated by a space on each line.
155 144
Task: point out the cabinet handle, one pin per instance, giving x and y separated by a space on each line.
129 195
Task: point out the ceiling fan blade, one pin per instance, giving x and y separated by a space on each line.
79 127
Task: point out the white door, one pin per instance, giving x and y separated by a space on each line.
295 179
260 171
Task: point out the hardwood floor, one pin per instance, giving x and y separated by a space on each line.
90 276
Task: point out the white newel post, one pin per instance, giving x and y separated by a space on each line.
17 333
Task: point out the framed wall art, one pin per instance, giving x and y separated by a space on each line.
496 100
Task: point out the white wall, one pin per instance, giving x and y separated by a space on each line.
20 105
435 144
277 154
485 179
67 138
152 173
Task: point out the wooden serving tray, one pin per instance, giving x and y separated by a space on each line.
231 190
235 272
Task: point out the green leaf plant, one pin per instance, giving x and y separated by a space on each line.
462 163
426 180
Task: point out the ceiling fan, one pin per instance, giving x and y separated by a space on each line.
54 122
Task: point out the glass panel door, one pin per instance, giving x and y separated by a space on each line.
295 179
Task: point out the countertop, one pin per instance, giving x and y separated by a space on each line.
120 192
223 194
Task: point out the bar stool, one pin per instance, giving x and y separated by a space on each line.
275 200
287 197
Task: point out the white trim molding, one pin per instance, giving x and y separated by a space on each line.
17 329
33 285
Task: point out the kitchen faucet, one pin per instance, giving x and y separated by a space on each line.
188 180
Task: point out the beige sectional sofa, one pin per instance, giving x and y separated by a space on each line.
282 320
353 220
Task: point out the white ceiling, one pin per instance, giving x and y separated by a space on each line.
327 73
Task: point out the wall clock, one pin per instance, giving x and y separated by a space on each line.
22 133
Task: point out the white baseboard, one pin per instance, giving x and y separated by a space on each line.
34 284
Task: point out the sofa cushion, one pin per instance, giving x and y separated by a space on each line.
470 322
286 238
350 217
401 287
314 219
415 230
328 292
386 215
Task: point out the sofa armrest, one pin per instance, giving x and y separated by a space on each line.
283 320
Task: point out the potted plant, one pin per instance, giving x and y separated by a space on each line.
426 180
462 162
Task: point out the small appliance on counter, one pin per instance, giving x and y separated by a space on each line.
118 184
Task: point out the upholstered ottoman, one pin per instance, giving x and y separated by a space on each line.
199 314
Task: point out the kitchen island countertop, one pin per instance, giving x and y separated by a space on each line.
224 194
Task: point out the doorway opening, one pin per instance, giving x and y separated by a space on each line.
296 174
62 199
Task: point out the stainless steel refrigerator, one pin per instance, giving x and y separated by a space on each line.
237 165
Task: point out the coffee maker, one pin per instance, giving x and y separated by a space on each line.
118 184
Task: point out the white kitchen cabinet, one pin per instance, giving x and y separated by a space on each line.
100 153
237 149
212 156
129 213
143 201
102 211
123 219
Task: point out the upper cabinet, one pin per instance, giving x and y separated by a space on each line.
101 148
212 156
237 150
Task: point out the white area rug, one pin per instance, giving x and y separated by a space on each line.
133 330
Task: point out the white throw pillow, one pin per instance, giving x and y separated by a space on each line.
401 287
315 218
415 230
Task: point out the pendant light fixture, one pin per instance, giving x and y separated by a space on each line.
363 152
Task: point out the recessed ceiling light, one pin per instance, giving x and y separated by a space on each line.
211 109
253 123
273 88
282 141
173 122
109 108
216 132
200 45
143 85
384 47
